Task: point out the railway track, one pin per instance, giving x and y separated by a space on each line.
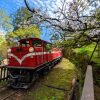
6 93
2 88
11 94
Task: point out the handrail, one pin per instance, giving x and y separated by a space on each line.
3 73
88 89
3 66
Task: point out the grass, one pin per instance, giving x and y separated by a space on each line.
89 49
60 76
2 83
96 66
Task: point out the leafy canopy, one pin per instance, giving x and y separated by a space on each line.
32 31
3 47
5 21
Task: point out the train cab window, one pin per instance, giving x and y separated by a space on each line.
48 46
37 43
25 43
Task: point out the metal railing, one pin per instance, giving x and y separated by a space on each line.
3 73
88 89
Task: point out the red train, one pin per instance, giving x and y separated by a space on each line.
30 59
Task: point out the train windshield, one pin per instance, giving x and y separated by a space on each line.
25 43
37 43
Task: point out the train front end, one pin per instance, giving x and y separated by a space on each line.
21 64
26 61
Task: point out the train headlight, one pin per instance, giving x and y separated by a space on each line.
9 50
31 49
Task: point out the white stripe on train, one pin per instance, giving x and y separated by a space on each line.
28 55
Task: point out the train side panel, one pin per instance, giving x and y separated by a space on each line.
21 57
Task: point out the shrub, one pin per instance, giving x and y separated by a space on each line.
79 59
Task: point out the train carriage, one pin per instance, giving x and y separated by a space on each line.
30 58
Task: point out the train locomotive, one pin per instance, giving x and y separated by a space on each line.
31 58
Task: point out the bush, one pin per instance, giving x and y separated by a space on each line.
80 60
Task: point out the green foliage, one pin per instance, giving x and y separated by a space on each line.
83 51
74 42
2 41
21 17
79 59
98 14
23 27
89 49
96 73
32 31
96 65
3 47
66 43
5 21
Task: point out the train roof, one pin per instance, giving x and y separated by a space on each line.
33 39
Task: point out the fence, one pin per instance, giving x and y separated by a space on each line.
88 89
3 73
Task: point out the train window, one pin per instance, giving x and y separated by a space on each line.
48 46
25 43
37 43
